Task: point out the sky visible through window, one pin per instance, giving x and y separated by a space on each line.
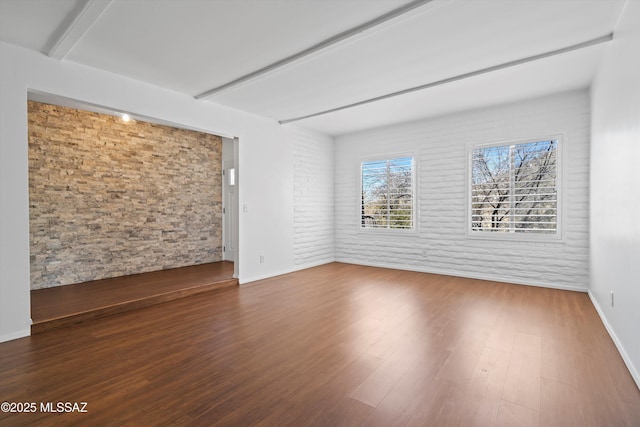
387 194
514 188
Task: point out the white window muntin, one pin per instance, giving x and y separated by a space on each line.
412 203
512 234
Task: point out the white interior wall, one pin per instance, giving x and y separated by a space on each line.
312 198
440 146
615 189
265 155
268 152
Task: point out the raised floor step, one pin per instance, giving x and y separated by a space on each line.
71 304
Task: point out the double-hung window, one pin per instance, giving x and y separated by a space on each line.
515 189
387 189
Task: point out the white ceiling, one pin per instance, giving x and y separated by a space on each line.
192 46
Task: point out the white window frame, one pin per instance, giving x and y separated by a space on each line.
559 235
414 201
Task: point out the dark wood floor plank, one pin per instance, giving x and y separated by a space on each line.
53 302
407 395
337 344
66 305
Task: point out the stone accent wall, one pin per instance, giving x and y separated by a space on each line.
109 198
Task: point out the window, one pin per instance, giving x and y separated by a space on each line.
232 176
387 194
514 188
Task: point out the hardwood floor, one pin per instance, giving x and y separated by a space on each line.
67 305
335 345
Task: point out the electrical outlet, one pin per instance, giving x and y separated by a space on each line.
611 299
261 259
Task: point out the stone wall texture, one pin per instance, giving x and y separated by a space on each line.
109 198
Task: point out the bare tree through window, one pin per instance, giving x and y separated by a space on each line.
514 188
387 194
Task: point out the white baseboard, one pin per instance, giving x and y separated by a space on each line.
492 278
467 275
479 276
616 341
614 337
15 335
244 280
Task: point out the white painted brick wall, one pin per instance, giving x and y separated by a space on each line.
313 198
440 149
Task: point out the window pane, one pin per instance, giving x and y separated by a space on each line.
387 194
232 176
514 188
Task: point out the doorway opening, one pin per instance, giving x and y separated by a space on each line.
230 204
117 196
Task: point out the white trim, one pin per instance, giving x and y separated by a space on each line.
15 335
313 264
245 280
627 360
415 196
559 236
386 232
463 274
238 218
229 221
63 101
392 266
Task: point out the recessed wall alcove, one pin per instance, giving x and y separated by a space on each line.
110 198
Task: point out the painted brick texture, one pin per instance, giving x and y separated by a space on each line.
109 198
313 198
440 147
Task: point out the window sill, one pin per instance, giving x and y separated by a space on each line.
388 232
516 237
